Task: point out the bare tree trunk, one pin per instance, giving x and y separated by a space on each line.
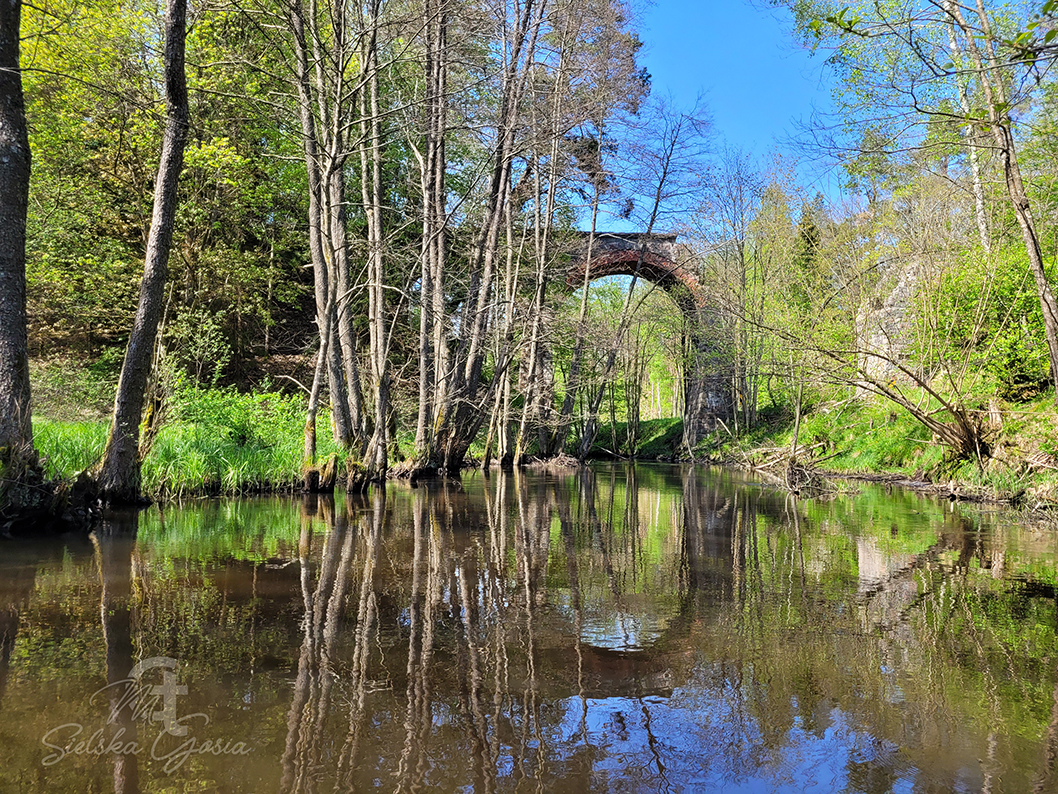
971 146
309 471
461 414
322 60
573 384
16 429
376 459
797 418
438 220
119 472
666 165
431 296
346 390
542 226
534 391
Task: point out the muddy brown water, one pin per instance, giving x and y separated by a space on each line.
624 629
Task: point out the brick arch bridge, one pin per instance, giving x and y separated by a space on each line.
657 258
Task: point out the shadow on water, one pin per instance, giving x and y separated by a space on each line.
622 628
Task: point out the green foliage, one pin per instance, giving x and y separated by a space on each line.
222 442
806 251
93 135
67 448
70 390
199 346
256 418
656 438
92 80
983 312
646 377
851 436
216 442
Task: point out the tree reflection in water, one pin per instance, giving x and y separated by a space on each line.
115 546
633 628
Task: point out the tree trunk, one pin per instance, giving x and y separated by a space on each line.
971 146
591 427
119 473
569 400
542 226
310 472
461 415
16 430
324 162
376 460
431 303
347 396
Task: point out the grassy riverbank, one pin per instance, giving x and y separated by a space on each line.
225 442
872 438
214 442
210 442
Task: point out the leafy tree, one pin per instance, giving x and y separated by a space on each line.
918 67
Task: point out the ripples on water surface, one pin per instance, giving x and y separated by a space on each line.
623 629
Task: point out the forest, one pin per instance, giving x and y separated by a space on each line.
252 246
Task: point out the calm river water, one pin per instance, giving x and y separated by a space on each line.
632 629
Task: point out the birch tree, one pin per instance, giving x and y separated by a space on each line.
336 82
459 416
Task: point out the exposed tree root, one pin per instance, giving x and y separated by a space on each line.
31 505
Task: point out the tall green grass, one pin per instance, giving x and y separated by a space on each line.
872 437
67 448
213 442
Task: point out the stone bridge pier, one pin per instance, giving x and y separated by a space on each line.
657 258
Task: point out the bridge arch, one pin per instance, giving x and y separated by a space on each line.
655 258
651 257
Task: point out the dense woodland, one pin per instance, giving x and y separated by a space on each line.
364 212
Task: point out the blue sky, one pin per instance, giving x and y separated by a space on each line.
755 78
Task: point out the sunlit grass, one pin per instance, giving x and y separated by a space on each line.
215 442
67 448
872 436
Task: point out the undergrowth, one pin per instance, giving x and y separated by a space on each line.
657 438
215 441
873 437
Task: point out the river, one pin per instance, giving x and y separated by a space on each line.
625 628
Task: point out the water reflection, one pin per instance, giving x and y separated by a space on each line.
115 550
636 629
